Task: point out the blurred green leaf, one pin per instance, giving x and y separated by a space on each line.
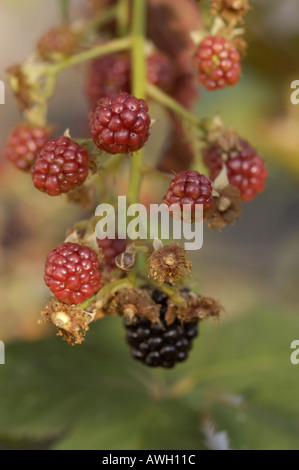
248 361
88 398
96 397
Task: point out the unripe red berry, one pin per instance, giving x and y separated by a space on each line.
190 187
62 165
72 273
120 124
107 76
218 63
61 40
24 144
161 72
111 74
245 168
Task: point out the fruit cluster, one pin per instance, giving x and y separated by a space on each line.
89 277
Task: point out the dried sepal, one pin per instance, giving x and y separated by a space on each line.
71 322
231 11
21 86
132 303
83 196
227 208
169 264
199 308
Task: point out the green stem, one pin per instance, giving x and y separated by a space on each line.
64 10
97 51
170 103
123 17
146 170
198 165
138 87
102 19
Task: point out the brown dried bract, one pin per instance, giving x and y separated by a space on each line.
21 86
132 303
199 308
169 264
83 196
241 45
71 322
232 11
227 208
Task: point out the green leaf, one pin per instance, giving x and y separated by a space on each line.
250 357
88 397
95 396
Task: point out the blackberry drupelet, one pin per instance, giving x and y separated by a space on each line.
159 345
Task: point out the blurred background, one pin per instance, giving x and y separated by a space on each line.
239 376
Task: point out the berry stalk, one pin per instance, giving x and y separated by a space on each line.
64 10
116 45
138 86
123 17
170 103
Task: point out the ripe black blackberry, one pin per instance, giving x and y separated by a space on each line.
159 345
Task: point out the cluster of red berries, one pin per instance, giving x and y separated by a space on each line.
245 168
119 124
218 63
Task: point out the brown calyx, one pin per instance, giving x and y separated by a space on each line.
169 264
71 322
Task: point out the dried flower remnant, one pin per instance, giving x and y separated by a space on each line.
233 11
72 323
169 264
227 208
133 303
